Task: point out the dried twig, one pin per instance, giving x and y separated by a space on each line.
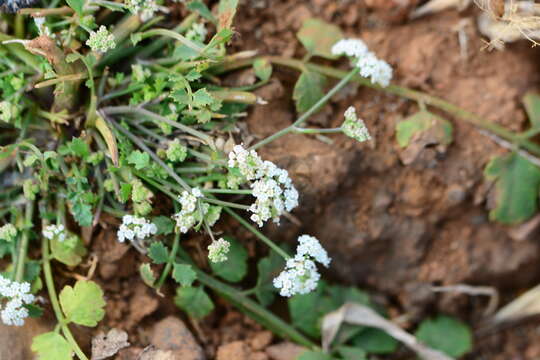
474 291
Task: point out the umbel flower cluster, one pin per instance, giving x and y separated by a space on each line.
101 40
55 232
8 232
17 295
190 214
370 66
272 186
145 8
354 127
300 275
218 250
135 228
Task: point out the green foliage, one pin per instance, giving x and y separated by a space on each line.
516 188
139 159
184 274
314 355
76 5
202 9
147 275
164 225
226 12
76 147
531 101
83 304
70 251
51 346
375 341
318 37
263 69
446 334
351 353
308 90
235 267
267 269
194 301
425 124
158 253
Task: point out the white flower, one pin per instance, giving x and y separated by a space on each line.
135 228
19 295
56 232
300 275
101 40
189 215
197 32
248 162
354 127
218 250
377 70
145 8
8 232
350 47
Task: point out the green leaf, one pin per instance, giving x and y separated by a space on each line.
446 334
235 267
516 188
139 159
194 301
158 253
314 355
147 275
226 12
375 341
318 37
184 274
202 9
82 213
318 304
434 129
34 311
351 353
263 69
308 90
125 192
76 5
83 304
531 100
51 346
77 147
70 251
164 224
268 268
202 98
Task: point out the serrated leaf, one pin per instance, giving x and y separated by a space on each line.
308 90
375 341
79 148
194 301
420 123
314 355
82 212
184 274
351 353
164 224
158 253
235 267
263 69
83 304
139 159
51 346
76 5
202 98
318 37
268 268
226 12
516 188
147 275
446 334
70 251
531 100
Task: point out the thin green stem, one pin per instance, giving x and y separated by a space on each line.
322 101
227 191
316 131
49 282
170 261
173 35
257 233
226 203
25 237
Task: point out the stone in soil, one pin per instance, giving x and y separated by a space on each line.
171 334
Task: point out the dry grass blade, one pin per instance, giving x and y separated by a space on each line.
435 6
357 314
527 304
473 291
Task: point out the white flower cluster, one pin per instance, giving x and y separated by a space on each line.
197 32
370 66
101 40
190 213
272 186
19 295
354 127
145 8
300 275
56 232
135 228
8 232
218 250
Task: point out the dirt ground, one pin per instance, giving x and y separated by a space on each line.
392 229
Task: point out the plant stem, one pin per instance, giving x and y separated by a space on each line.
316 131
25 237
170 261
310 112
226 203
227 191
169 33
257 233
47 272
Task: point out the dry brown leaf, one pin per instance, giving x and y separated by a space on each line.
357 314
105 346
